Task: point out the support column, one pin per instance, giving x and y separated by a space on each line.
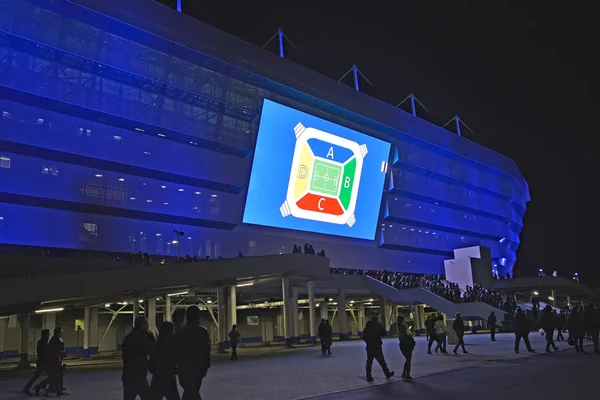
93 330
136 308
294 315
361 318
324 309
3 322
287 320
311 312
383 313
86 332
151 314
232 306
343 323
24 356
421 313
554 299
49 321
569 301
168 315
222 317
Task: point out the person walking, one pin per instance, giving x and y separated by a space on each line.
559 325
576 328
41 348
137 346
234 337
407 345
372 335
441 332
192 354
458 325
492 325
591 320
522 331
548 322
55 353
328 337
430 325
162 365
322 337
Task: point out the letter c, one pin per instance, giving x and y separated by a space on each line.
319 204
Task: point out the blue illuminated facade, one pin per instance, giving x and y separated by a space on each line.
115 130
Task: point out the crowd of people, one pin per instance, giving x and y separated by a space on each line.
436 284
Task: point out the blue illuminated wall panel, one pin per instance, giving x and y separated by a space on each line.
99 116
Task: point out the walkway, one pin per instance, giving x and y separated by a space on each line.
293 374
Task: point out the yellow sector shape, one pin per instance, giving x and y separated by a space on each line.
304 171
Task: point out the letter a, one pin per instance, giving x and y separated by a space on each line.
330 153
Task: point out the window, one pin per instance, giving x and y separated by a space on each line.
4 162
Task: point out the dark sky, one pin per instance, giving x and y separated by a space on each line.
522 75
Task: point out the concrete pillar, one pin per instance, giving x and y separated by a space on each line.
3 323
49 321
222 314
554 299
421 313
361 318
24 356
342 318
324 309
232 306
294 314
136 308
151 314
86 332
311 312
383 313
93 330
168 316
288 326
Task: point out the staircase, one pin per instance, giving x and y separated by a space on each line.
474 310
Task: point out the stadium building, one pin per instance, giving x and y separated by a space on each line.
128 127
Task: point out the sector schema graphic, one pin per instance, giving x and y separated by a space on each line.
324 178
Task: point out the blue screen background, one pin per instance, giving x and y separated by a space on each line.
271 172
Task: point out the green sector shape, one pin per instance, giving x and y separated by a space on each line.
326 177
347 183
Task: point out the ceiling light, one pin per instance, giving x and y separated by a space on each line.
47 310
178 294
245 284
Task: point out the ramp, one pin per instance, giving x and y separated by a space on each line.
474 310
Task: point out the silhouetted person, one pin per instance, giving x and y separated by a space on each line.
576 329
55 352
548 322
522 330
328 337
458 325
192 354
137 346
559 326
162 365
591 321
234 337
407 345
42 345
372 335
322 337
441 331
492 325
430 326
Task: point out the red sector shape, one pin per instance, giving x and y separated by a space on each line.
322 204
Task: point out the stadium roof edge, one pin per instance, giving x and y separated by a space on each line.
272 73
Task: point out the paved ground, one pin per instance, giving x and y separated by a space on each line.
301 373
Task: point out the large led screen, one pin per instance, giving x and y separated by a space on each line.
313 175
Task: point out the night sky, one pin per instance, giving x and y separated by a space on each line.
522 75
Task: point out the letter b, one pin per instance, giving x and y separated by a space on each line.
347 182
